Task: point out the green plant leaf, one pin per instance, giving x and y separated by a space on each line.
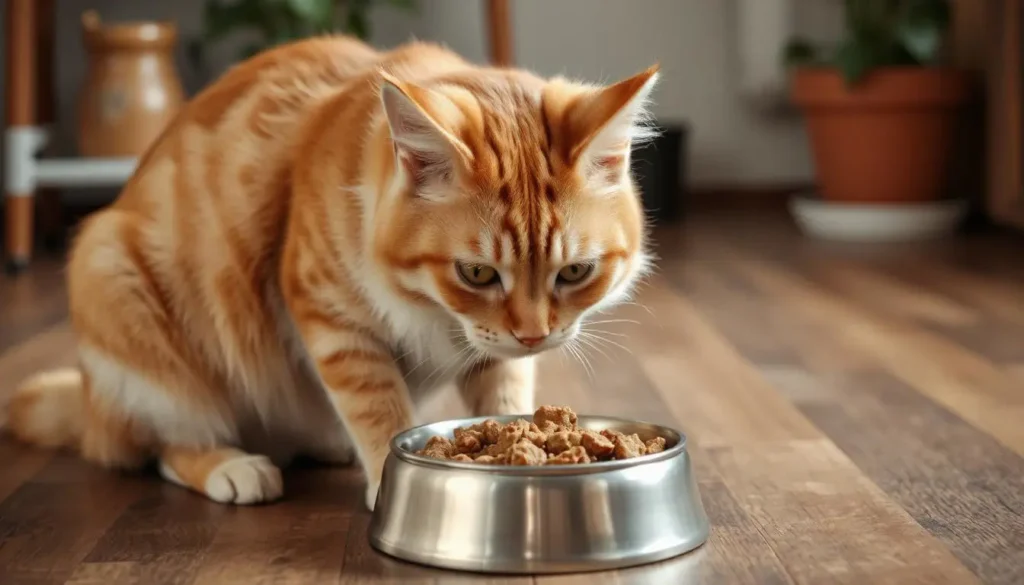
216 20
279 21
357 21
864 16
250 50
854 58
882 33
799 52
922 29
358 24
195 52
317 14
221 18
409 5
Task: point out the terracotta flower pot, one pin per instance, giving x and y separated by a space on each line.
888 138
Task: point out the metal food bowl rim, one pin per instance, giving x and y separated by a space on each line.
536 470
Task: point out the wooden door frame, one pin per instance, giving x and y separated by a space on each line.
1005 197
499 32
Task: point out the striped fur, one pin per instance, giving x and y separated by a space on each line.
280 277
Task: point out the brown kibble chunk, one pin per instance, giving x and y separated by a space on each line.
562 441
562 416
468 441
488 459
655 445
535 435
490 429
526 453
629 446
437 448
552 438
611 435
493 450
548 427
597 445
572 456
511 433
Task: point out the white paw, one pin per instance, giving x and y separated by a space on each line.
371 495
245 480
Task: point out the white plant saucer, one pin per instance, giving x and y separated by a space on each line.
876 222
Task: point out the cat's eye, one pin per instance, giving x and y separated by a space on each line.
574 273
478 275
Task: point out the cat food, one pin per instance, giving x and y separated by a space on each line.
552 438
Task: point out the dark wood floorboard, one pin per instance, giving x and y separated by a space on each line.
853 414
957 482
32 302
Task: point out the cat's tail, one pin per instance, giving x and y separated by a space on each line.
48 409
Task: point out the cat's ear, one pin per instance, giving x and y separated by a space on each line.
604 124
426 150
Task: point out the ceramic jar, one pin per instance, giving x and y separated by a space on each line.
132 89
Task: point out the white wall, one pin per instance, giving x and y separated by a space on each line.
694 40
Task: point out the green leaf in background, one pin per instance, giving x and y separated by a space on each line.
195 53
280 21
358 25
221 17
318 13
356 20
250 50
922 28
880 33
853 59
799 52
408 5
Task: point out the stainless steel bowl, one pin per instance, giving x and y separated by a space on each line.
538 519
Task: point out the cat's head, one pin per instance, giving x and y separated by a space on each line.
509 202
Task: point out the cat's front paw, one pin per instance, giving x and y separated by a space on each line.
245 480
371 494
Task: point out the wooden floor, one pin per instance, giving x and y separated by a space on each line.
856 415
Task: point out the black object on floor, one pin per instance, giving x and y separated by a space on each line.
660 171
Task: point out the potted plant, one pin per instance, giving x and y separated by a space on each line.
881 107
281 21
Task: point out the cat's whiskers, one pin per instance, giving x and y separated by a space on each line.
590 341
601 331
461 344
586 361
399 358
608 321
417 366
477 360
446 365
573 348
638 304
595 337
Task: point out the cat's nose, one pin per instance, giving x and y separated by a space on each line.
531 341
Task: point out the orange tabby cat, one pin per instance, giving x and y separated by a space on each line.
322 234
